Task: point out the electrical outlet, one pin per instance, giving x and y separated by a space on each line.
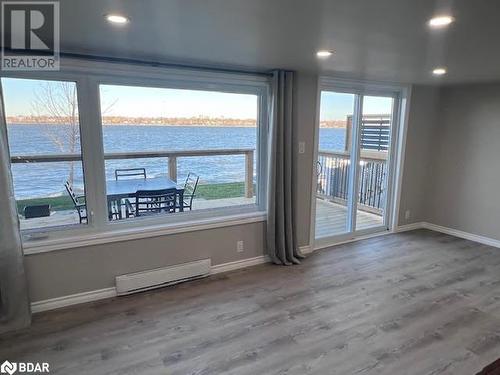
407 215
240 246
302 147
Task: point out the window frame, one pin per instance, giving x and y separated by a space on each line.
88 76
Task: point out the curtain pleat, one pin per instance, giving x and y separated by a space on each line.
281 238
14 307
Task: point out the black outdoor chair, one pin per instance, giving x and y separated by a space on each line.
149 202
78 202
319 168
130 172
125 174
319 171
189 191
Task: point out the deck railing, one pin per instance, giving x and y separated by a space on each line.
171 155
375 132
333 170
333 178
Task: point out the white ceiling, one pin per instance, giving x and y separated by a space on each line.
376 39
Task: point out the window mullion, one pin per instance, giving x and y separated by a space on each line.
93 153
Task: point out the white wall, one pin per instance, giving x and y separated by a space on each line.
307 86
452 173
422 122
465 178
65 272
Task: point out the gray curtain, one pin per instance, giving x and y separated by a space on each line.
281 239
14 306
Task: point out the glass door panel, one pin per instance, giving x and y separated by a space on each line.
374 141
333 167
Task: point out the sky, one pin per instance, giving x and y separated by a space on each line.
142 102
158 102
131 101
337 106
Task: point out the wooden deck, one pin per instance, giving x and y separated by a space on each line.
331 219
69 217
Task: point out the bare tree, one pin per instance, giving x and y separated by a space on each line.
57 101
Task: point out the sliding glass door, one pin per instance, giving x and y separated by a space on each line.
333 166
373 143
354 167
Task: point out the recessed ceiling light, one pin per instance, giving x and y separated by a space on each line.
117 18
439 71
441 21
323 54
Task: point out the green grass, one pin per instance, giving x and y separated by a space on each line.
56 203
208 191
220 191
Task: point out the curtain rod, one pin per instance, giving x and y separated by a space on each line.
164 64
209 68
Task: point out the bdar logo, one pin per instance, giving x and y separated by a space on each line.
8 368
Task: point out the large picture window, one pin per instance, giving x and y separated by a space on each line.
176 150
44 140
97 150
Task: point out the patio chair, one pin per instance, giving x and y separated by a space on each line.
78 202
189 190
130 172
149 202
319 174
125 174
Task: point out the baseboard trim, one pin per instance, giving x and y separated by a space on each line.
465 235
450 231
306 249
96 295
243 263
408 227
72 299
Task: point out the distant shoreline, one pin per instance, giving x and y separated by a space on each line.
145 125
322 126
333 124
163 122
140 121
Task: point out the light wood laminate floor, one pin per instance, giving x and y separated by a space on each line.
410 303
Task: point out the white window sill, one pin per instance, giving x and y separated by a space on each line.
89 239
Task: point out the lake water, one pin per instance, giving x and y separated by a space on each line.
47 179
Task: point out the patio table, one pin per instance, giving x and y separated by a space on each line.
120 189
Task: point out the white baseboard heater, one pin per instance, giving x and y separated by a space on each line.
160 277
